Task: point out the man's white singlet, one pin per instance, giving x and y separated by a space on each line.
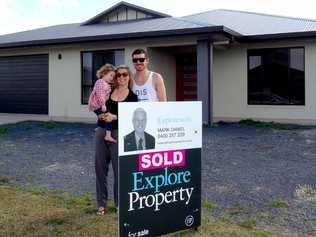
147 91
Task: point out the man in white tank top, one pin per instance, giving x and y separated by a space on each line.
147 85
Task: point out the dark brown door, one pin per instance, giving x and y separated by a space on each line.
186 78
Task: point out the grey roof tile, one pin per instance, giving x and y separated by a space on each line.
78 30
244 23
249 23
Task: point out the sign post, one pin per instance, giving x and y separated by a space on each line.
159 167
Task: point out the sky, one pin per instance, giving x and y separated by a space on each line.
20 15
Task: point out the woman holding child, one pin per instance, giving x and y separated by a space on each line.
106 147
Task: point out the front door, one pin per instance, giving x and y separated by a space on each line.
186 77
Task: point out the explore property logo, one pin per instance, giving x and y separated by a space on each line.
145 182
159 188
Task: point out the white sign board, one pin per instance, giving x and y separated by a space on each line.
169 125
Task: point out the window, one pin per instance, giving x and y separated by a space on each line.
91 62
276 76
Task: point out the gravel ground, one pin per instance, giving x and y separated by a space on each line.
245 169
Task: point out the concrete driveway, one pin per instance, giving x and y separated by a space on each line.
15 118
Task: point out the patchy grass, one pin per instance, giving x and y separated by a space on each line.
260 233
266 216
29 178
273 125
209 205
279 203
26 212
312 219
83 202
112 210
4 130
35 191
236 209
206 125
29 189
4 180
49 125
248 224
226 217
213 228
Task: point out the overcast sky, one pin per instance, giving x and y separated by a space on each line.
19 15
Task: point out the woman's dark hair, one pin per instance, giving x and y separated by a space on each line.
140 51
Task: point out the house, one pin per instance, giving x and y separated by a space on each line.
240 64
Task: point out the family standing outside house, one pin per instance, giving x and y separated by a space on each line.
144 86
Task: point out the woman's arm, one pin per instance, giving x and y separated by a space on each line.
107 117
98 111
101 115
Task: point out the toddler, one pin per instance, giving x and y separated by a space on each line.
101 93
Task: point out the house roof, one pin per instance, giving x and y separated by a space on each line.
251 24
241 25
70 33
152 13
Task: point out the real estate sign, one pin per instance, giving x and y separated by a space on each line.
159 167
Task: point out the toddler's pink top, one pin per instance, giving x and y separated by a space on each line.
99 95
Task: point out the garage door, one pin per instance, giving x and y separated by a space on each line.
24 84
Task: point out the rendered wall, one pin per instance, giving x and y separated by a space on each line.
230 87
230 79
65 73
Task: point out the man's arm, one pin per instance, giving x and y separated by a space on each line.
160 87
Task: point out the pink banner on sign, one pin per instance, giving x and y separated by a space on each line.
160 160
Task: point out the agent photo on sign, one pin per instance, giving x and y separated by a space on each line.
139 139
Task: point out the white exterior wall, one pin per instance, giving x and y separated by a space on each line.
65 82
165 64
65 74
230 87
230 79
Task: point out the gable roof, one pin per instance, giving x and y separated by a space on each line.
240 25
70 33
120 5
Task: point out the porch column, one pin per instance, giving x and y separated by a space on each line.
205 79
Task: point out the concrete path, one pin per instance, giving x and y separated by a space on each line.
15 118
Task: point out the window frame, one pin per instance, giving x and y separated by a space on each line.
81 65
250 51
